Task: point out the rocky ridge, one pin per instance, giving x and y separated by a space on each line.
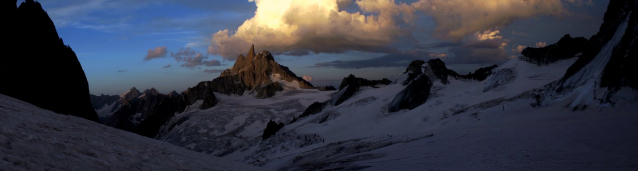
41 57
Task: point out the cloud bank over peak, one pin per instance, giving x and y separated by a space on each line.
311 26
320 26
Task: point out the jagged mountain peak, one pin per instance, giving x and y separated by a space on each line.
151 91
130 94
259 72
251 52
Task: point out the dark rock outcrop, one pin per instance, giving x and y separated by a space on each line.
353 81
436 68
413 95
254 72
269 90
36 55
567 47
271 129
314 108
326 88
622 68
616 14
480 74
144 114
351 85
201 91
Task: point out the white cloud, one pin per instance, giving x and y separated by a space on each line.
488 35
319 26
316 26
519 49
307 78
541 44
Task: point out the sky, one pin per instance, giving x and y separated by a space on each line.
174 44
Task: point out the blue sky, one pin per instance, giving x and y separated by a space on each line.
112 38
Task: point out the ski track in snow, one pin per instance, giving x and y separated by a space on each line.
35 139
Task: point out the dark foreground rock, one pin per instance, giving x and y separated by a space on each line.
36 66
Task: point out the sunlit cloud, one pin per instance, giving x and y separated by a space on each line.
519 49
541 44
310 26
320 26
307 77
158 52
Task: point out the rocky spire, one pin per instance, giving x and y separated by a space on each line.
251 53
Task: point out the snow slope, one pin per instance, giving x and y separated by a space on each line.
35 139
463 125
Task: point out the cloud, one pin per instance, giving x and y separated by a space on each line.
312 26
307 77
488 35
198 60
541 44
214 70
183 53
519 49
399 59
457 18
167 66
485 47
319 26
438 55
158 52
515 33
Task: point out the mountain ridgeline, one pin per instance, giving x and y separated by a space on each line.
257 73
146 112
36 66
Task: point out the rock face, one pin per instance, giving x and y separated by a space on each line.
271 129
480 74
145 113
567 47
436 69
34 56
353 81
622 69
420 77
200 92
614 48
351 84
258 72
326 88
617 13
415 94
